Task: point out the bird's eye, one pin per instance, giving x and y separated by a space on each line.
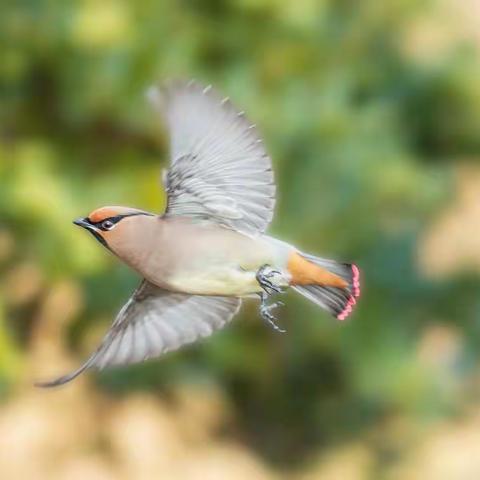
107 225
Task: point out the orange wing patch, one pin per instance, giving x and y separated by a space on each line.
304 272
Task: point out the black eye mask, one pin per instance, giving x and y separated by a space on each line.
116 219
113 220
93 227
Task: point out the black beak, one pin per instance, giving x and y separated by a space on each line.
85 223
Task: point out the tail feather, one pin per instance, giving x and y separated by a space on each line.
338 301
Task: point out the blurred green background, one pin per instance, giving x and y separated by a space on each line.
370 111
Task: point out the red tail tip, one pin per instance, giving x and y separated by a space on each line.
356 293
356 280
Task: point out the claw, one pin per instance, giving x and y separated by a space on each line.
265 312
270 280
264 276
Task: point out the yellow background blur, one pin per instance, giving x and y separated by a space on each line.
371 112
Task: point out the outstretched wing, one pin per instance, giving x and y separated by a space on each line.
219 169
155 321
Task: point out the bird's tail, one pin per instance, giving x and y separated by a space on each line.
332 285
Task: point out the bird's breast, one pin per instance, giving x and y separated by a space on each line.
207 261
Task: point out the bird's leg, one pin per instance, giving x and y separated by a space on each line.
265 312
271 281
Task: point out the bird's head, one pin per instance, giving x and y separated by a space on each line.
117 228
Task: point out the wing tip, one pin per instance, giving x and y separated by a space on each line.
157 94
57 382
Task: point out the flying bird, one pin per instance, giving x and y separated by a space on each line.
209 249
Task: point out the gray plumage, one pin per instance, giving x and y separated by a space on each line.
155 321
209 248
219 170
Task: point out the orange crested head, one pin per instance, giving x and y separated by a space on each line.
110 225
103 213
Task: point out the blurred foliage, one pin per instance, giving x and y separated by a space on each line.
366 113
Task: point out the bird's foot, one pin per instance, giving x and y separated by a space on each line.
265 312
270 280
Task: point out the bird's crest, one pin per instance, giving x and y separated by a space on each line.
103 213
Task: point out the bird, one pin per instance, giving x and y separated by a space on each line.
209 250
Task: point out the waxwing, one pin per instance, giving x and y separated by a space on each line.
209 249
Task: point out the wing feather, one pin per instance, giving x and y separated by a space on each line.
155 321
220 169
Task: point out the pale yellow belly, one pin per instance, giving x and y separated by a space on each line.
208 260
229 281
